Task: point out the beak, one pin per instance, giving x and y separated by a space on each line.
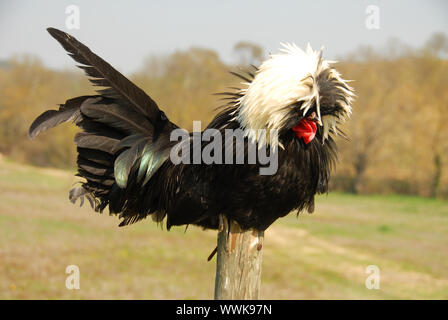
313 117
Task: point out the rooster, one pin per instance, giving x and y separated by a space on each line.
124 145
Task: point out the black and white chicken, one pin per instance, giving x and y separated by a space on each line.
124 147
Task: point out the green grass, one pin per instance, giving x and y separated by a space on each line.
318 256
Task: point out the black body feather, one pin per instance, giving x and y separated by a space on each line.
123 155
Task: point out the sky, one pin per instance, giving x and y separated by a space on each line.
125 32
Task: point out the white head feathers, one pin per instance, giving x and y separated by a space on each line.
291 77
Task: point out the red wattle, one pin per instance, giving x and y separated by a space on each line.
305 129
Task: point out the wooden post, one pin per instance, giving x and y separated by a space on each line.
238 266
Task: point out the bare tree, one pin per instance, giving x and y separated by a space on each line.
248 53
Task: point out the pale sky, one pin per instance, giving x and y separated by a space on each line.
125 32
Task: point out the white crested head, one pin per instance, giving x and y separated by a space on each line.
287 86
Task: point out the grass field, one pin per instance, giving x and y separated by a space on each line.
318 256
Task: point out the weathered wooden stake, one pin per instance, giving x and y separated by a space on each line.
238 266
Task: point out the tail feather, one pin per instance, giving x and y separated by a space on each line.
80 193
126 160
97 156
105 75
106 180
91 141
93 167
70 111
123 143
116 116
99 129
